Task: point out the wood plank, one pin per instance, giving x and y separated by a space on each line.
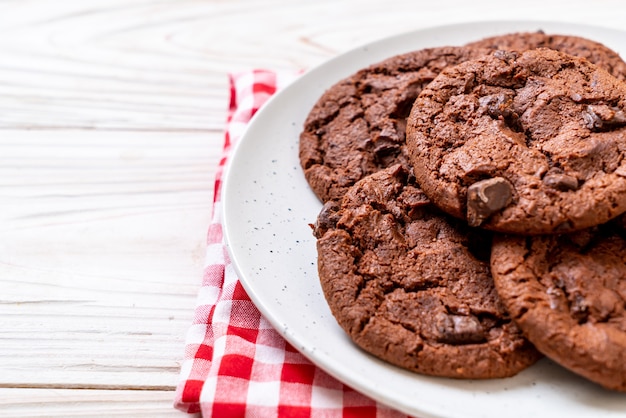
162 64
102 254
22 403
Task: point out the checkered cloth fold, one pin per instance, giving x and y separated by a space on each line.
236 364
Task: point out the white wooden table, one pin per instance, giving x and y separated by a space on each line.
110 132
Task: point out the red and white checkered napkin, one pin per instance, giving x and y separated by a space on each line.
236 364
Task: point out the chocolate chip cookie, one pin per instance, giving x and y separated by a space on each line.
358 125
529 143
568 295
593 51
412 285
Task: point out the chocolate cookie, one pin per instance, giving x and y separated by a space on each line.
593 51
568 295
412 285
357 127
528 143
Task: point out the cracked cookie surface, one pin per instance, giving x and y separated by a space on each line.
357 127
568 295
593 51
544 128
412 285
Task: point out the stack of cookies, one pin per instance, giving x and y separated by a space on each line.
473 200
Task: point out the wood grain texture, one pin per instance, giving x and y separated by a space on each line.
162 64
101 255
111 117
63 403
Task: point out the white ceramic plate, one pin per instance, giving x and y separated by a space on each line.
268 206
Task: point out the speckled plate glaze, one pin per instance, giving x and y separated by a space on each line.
268 206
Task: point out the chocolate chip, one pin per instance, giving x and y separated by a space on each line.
327 219
486 197
458 329
495 104
560 181
506 56
598 117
